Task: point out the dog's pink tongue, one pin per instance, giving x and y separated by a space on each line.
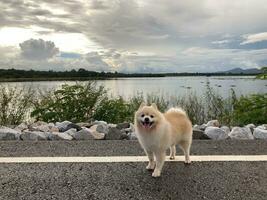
147 126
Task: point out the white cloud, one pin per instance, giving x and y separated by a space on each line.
253 38
38 49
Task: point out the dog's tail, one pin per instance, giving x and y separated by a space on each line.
177 110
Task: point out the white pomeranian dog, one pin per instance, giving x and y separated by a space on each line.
156 132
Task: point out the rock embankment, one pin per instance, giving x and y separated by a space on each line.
214 131
100 130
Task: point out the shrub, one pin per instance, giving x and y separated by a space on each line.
14 104
113 111
250 109
75 103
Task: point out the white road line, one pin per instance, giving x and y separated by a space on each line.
111 159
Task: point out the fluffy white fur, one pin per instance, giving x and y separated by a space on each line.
158 131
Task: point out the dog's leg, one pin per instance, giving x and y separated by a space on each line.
151 163
160 159
172 152
185 146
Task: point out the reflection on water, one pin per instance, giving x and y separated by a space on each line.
170 86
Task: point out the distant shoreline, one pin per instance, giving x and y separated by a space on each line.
16 75
36 79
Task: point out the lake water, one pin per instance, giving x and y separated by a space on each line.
170 86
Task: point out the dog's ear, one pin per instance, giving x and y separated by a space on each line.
154 106
142 105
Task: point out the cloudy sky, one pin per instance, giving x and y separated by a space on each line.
133 35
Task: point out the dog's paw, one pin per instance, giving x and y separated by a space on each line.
187 162
156 173
172 157
151 166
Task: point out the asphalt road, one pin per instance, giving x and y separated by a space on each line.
200 180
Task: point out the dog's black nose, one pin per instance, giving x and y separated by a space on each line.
146 119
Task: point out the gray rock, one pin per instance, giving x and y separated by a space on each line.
112 125
214 123
21 127
243 133
263 127
69 126
9 134
101 128
51 125
215 133
34 135
132 136
71 132
202 127
251 127
260 133
226 129
62 125
42 128
84 124
199 134
99 122
60 136
123 125
114 134
84 134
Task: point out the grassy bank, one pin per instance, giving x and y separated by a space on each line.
88 102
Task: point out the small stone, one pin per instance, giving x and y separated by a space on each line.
69 126
101 128
251 127
42 128
124 136
99 122
202 127
226 129
51 125
113 134
54 129
34 135
243 133
84 124
263 127
214 123
215 133
9 134
84 134
123 125
60 136
21 127
71 132
97 135
62 125
132 136
199 134
260 133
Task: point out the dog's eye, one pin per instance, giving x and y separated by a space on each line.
151 116
142 115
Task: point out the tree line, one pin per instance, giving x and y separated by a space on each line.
85 74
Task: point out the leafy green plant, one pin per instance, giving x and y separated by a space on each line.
250 109
75 103
113 111
14 104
